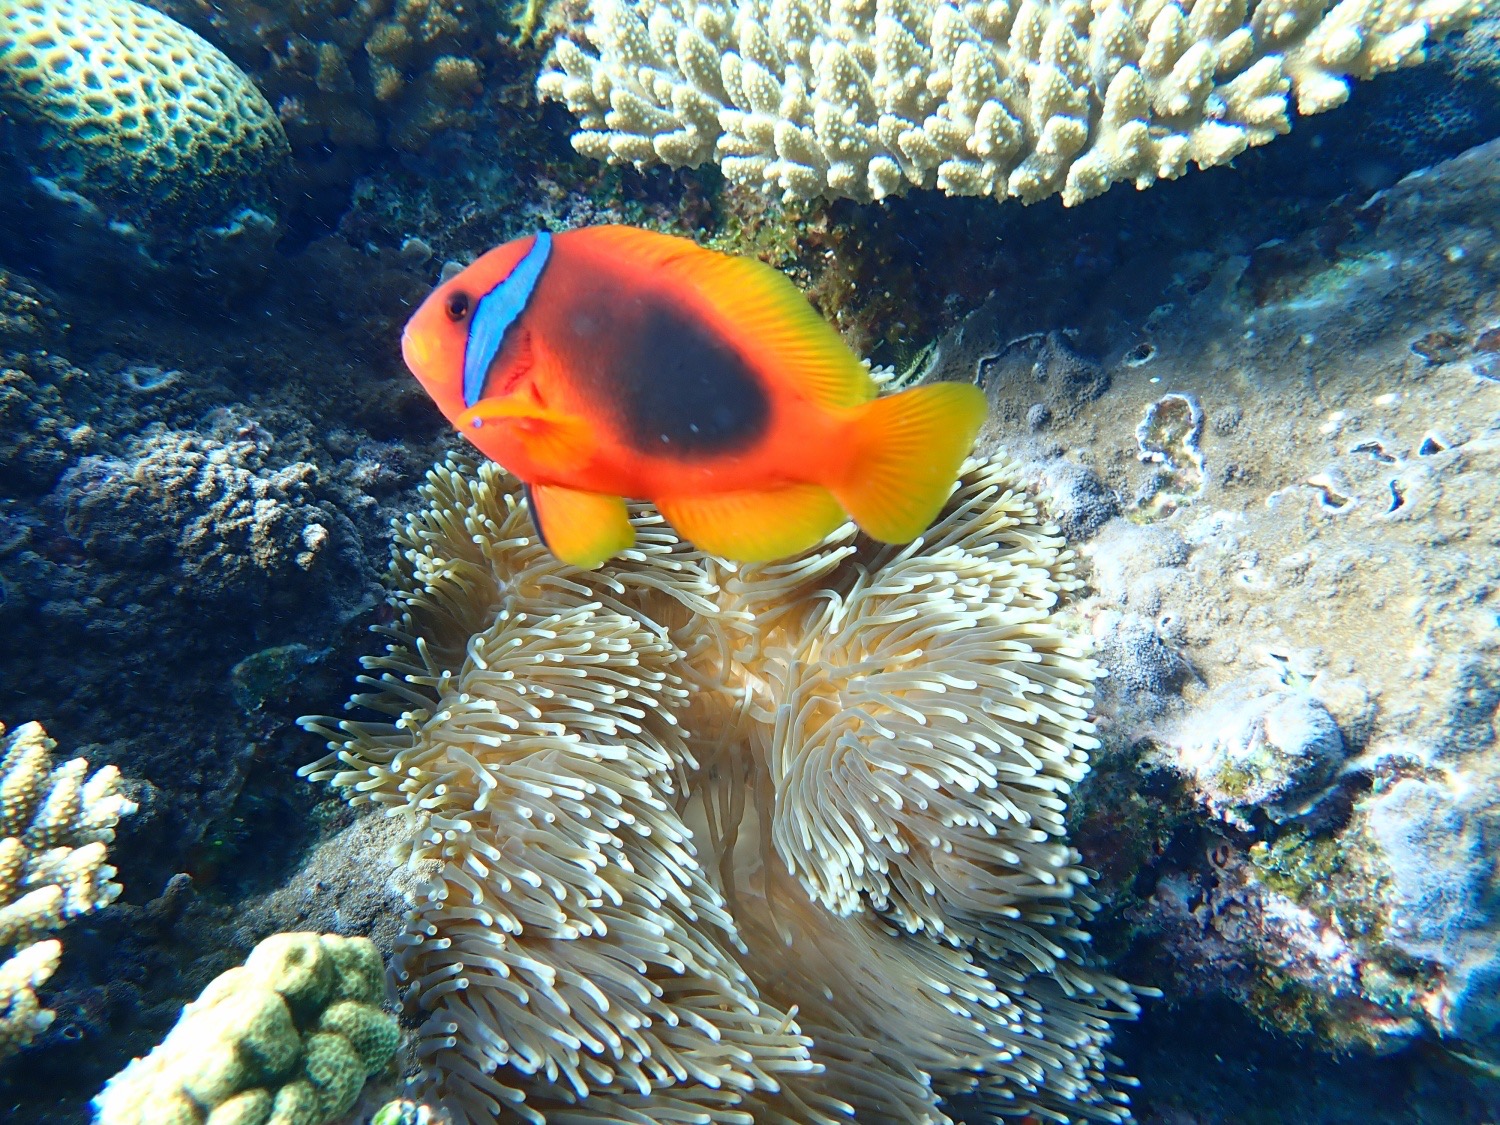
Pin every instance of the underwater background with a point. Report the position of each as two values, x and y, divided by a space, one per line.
1234 524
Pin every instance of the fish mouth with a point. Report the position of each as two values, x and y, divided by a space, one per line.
414 352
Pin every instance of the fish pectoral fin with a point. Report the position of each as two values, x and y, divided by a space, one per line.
755 526
581 528
908 449
554 440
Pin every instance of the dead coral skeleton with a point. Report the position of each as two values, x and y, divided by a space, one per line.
706 835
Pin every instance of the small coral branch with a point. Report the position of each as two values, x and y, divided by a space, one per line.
55 825
1028 98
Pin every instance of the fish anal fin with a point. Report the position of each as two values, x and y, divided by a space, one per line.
755 526
581 528
908 448
757 307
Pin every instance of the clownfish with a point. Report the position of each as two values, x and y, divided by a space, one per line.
612 362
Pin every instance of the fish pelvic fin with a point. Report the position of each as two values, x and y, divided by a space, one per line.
755 526
908 449
581 528
554 441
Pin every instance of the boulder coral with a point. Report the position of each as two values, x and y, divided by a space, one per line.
289 1036
701 837
229 521
113 101
1024 98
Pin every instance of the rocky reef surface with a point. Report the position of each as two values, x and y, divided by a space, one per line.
1281 466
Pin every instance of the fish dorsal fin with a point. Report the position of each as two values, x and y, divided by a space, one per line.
756 306
581 528
755 526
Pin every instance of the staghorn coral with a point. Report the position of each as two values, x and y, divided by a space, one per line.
1024 98
54 825
290 1037
355 76
703 835
113 101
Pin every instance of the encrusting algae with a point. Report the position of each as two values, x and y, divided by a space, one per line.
771 844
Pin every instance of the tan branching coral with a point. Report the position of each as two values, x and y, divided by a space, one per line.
1027 98
776 844
55 823
352 76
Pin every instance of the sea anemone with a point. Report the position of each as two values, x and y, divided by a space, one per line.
780 843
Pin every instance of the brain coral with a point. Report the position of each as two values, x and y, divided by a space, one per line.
778 844
1026 98
129 109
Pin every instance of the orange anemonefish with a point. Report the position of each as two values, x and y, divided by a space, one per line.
611 362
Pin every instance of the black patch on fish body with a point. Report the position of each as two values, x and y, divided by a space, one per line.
682 390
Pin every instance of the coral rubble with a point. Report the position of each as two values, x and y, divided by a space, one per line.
1009 98
55 823
290 1036
704 835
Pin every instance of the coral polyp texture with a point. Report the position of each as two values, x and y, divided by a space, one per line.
868 98
116 102
55 823
288 1037
355 76
700 836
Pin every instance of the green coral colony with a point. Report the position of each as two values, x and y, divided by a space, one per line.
136 113
289 1038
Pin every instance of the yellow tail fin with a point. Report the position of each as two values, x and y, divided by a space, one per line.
908 450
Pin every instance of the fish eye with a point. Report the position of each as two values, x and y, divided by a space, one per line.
458 305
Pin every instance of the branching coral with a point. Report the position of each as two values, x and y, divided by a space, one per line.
778 844
54 825
1026 98
358 75
289 1038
